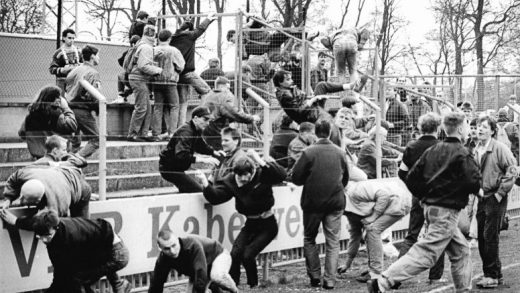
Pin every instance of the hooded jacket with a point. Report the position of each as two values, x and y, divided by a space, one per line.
145 68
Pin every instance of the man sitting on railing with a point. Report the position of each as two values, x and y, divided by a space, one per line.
178 155
212 72
83 103
222 104
368 153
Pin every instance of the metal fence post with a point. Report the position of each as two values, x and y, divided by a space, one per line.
497 88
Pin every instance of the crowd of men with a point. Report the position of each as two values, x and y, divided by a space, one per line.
447 168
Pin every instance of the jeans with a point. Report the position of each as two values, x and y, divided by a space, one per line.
252 239
490 213
219 275
88 126
373 239
81 208
443 234
345 53
184 182
142 114
331 223
123 86
166 105
414 228
200 86
117 260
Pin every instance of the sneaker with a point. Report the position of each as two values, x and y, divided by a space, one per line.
437 281
327 286
119 100
342 269
373 286
315 282
360 83
363 278
487 282
164 136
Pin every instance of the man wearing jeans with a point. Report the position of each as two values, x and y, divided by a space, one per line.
442 180
323 171
142 72
373 205
184 39
496 162
81 252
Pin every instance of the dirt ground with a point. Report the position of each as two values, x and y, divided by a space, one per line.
293 278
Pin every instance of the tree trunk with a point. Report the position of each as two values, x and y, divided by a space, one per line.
479 51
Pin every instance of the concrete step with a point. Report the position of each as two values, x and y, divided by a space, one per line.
17 152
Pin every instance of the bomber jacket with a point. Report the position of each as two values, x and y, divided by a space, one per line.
171 61
184 40
253 198
195 259
145 68
323 171
178 154
495 169
445 175
293 103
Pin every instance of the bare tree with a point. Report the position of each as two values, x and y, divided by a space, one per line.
180 7
21 16
345 10
495 30
106 12
292 12
390 26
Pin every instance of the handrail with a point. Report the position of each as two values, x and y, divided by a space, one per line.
102 185
159 16
267 127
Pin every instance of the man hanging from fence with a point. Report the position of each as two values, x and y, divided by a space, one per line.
66 58
138 25
184 39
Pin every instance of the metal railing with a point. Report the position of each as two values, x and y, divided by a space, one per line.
102 189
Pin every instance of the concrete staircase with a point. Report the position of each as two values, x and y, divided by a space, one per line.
132 167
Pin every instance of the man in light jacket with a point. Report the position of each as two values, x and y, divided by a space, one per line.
373 205
139 77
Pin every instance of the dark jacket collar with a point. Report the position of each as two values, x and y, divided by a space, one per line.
452 139
323 141
427 137
193 127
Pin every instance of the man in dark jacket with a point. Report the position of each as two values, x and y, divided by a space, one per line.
252 188
178 155
81 252
137 27
202 260
281 140
184 40
442 180
397 116
323 171
429 127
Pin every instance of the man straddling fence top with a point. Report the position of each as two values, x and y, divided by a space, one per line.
442 179
138 25
65 58
142 69
184 39
429 127
323 171
252 188
204 261
222 104
345 44
61 188
83 102
373 205
178 156
496 164
81 252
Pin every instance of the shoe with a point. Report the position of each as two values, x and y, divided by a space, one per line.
500 281
135 139
342 269
363 278
373 286
487 282
437 281
315 282
360 83
164 136
327 286
119 100
153 138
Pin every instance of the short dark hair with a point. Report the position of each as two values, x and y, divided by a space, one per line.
306 127
164 35
243 165
235 134
473 122
286 120
452 121
279 77
491 122
54 141
230 34
322 129
142 14
429 122
88 51
67 31
134 39
44 221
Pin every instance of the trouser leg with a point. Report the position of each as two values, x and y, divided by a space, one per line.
311 223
